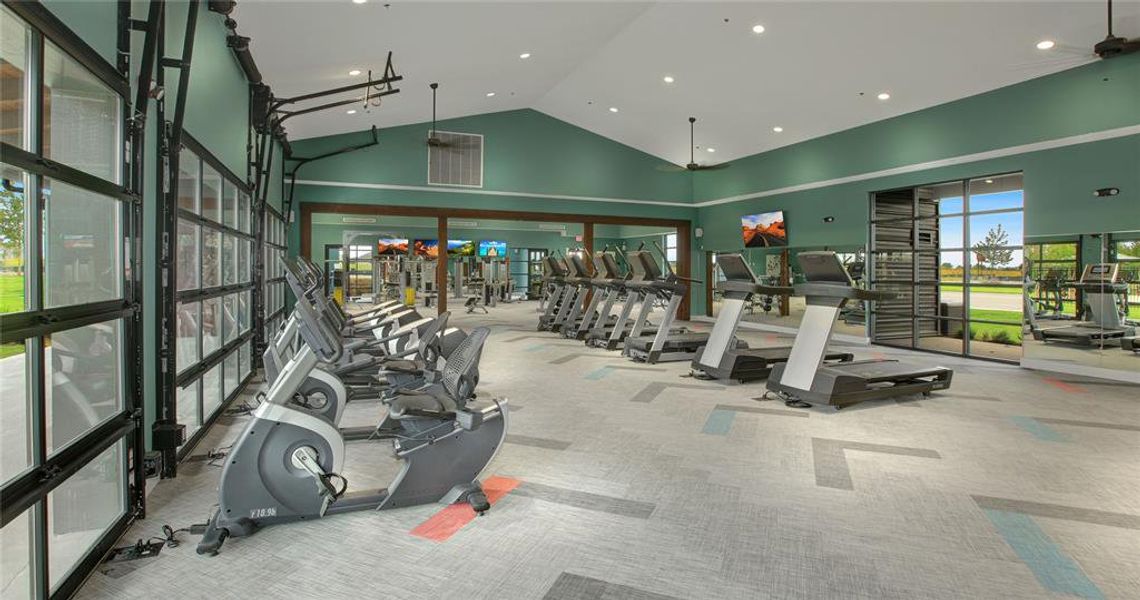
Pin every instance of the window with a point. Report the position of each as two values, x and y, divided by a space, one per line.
952 255
671 249
68 344
214 285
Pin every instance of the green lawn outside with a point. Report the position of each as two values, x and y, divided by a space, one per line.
996 289
1003 334
11 300
11 293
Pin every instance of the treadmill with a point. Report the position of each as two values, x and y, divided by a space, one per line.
635 289
557 278
606 285
805 379
1099 285
666 344
721 358
578 283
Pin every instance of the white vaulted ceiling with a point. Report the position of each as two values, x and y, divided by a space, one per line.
804 73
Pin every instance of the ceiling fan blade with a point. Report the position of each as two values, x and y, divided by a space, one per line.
716 167
1059 62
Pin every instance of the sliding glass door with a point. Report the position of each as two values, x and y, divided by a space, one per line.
951 254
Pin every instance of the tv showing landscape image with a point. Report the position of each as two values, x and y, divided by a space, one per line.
764 230
492 248
461 247
426 248
390 246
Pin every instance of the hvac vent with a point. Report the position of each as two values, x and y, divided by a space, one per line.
457 160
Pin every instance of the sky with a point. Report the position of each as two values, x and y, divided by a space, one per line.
951 226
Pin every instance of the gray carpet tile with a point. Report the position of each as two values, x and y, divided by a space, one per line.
630 499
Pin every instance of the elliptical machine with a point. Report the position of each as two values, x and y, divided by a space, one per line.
286 462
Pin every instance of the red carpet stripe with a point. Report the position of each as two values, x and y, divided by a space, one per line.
454 517
1066 387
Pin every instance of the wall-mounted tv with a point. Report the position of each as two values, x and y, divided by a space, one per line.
390 246
492 248
426 248
460 248
764 230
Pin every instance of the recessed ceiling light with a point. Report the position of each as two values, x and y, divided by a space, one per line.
613 109
524 55
1045 44
352 112
489 94
757 29
354 72
669 79
777 129
711 149
359 1
884 96
989 181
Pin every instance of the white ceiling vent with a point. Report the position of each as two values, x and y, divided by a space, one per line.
456 160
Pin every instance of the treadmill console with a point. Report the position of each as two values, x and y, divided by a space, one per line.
610 266
735 268
557 267
652 269
636 265
1101 273
823 267
580 268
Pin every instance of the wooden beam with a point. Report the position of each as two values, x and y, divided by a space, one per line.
307 242
710 270
471 213
441 267
685 266
588 246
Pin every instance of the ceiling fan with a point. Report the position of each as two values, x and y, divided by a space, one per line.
1113 45
692 166
1071 56
432 140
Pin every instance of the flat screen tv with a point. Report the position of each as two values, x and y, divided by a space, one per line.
492 248
460 248
389 246
426 248
764 230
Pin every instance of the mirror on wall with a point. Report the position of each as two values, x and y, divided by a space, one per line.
1081 297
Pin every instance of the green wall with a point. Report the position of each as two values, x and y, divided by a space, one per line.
217 105
524 151
96 22
1058 181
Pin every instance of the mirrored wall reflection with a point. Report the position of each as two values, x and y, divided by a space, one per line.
780 267
1082 300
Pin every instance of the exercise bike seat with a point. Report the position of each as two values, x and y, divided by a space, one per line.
359 364
402 366
431 401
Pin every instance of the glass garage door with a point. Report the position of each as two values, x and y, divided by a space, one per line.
214 309
68 304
